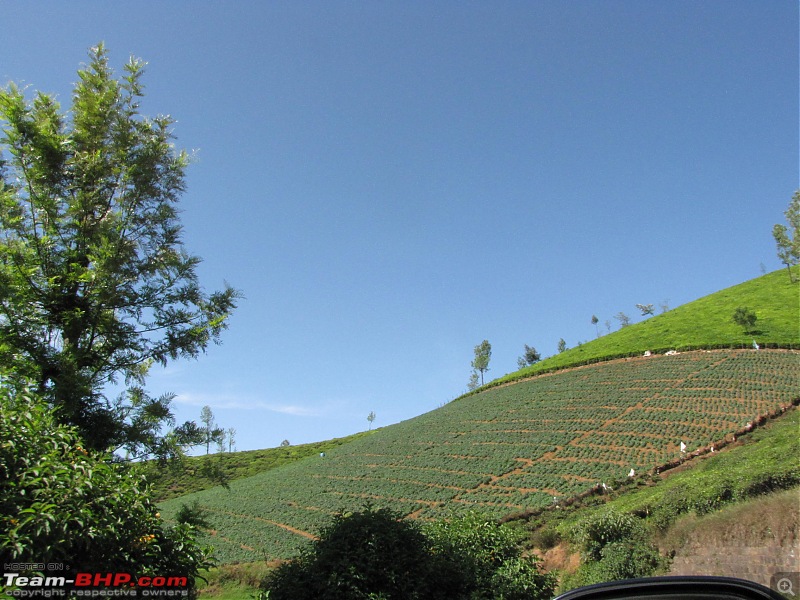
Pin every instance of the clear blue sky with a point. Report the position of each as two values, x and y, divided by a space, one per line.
389 183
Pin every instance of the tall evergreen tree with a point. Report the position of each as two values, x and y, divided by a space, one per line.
95 282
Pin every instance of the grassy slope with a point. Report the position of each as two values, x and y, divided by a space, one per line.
703 323
187 477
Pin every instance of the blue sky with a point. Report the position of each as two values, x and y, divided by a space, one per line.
389 183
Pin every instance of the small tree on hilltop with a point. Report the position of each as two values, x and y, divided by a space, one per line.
595 321
529 357
646 309
562 345
483 353
371 418
624 320
745 318
789 246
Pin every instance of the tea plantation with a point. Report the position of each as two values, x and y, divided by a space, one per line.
541 435
510 448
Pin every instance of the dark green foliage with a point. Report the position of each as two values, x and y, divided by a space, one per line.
64 504
194 515
625 559
603 529
489 555
530 357
95 284
377 554
545 538
368 554
744 317
615 546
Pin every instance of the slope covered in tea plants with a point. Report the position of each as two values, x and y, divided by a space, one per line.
509 448
192 473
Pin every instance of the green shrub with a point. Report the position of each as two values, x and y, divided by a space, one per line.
545 538
622 560
368 554
63 504
377 554
614 546
490 556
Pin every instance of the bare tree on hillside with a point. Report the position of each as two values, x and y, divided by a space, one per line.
211 433
473 382
646 309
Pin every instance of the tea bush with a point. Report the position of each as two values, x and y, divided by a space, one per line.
614 546
490 555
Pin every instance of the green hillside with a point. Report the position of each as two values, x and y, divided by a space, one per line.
516 447
745 495
192 474
763 461
508 449
701 324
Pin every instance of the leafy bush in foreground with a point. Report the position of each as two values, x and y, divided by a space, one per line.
377 554
369 554
614 546
63 504
489 555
